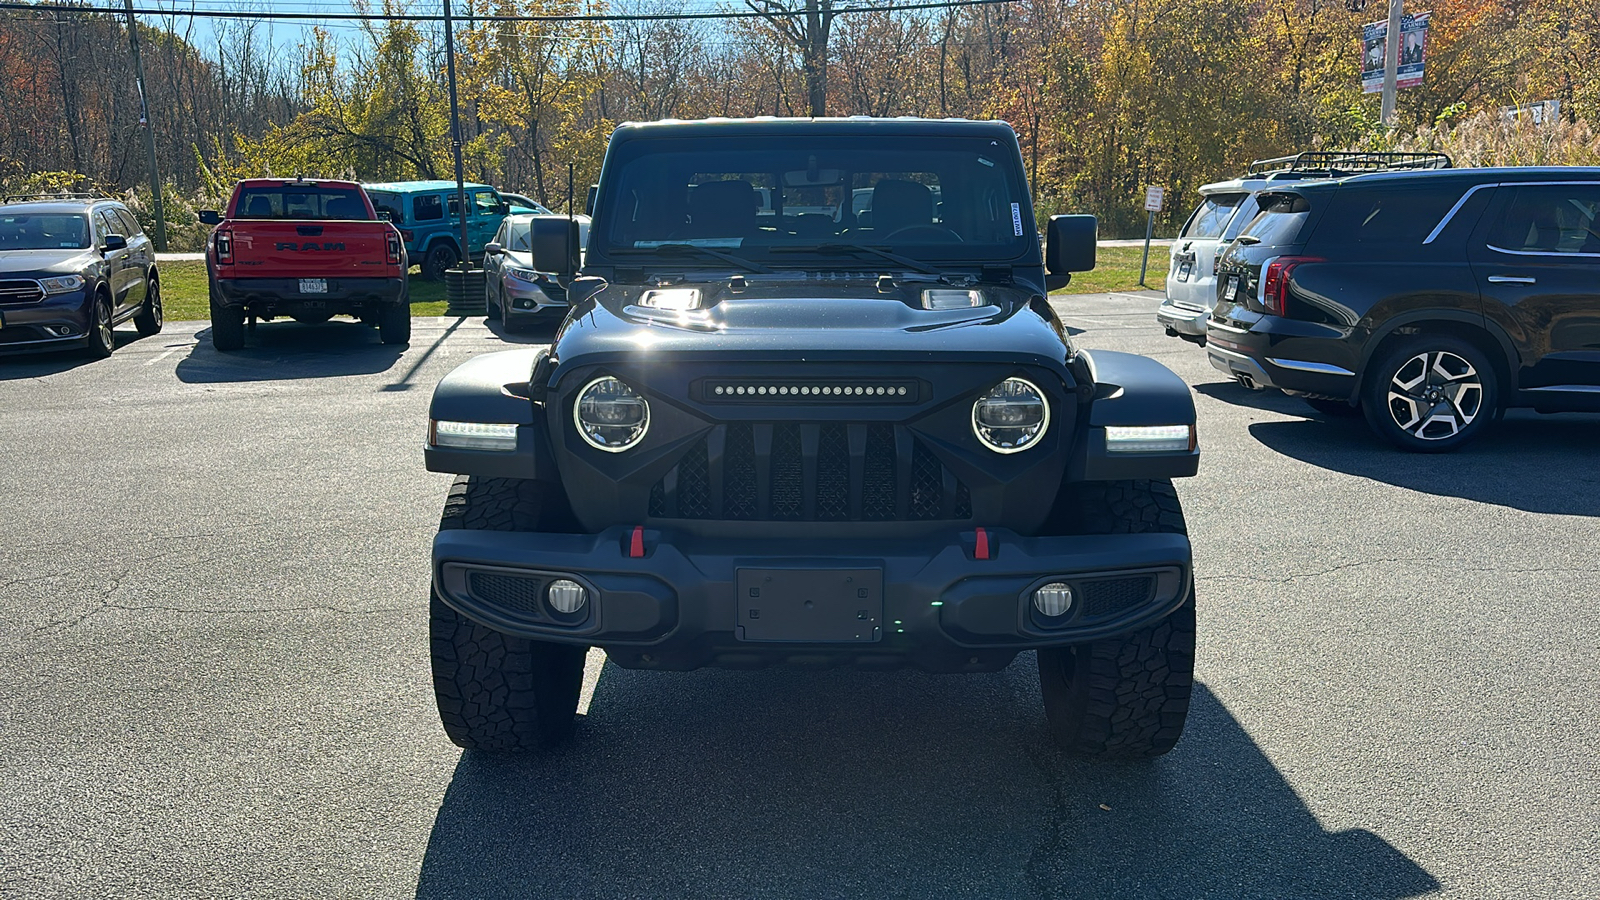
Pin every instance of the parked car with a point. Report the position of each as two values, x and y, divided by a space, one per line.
515 292
428 216
522 204
1427 301
308 250
873 448
71 271
1227 206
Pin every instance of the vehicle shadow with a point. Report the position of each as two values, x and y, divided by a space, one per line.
1510 465
15 366
542 332
1235 394
795 784
277 351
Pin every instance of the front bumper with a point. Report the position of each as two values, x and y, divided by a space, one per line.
527 302
938 608
37 327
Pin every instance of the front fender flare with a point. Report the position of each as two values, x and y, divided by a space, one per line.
493 389
1132 390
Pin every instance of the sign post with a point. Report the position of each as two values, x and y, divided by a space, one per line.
1152 205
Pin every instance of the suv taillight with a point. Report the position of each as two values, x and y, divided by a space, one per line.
393 241
1275 282
406 234
225 248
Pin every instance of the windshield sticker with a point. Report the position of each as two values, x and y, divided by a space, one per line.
1016 218
986 162
697 242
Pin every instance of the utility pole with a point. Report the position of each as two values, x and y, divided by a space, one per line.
455 133
149 132
1391 60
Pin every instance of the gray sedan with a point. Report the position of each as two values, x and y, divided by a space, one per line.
516 293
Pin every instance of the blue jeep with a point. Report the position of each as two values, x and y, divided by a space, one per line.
433 239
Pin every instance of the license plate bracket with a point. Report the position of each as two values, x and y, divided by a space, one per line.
1231 292
1184 268
809 605
313 285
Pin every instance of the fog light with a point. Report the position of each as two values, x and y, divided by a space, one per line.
526 304
1053 600
565 596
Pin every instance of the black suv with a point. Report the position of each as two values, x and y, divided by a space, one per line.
71 270
1429 301
772 430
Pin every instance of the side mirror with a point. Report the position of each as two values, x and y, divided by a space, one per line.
1069 247
210 217
493 248
114 242
554 244
503 209
588 203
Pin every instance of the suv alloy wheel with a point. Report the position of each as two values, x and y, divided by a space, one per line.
1430 393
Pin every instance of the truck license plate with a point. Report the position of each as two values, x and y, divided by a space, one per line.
313 285
1231 293
821 605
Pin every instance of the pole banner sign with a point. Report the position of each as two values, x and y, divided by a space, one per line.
1413 49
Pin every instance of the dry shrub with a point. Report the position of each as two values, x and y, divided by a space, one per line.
1490 139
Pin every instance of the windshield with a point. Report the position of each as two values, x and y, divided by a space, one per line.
300 202
923 197
44 232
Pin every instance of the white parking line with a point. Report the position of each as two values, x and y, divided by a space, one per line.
592 664
164 355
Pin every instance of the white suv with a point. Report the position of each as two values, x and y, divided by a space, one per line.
1227 207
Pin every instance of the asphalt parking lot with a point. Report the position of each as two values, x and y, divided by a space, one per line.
214 674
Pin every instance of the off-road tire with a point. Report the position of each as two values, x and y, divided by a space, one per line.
1385 368
149 318
497 692
102 335
1333 409
394 323
1126 696
439 257
227 325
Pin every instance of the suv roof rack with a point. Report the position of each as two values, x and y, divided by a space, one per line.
55 195
1347 162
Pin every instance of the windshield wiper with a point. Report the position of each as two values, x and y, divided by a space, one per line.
740 261
896 258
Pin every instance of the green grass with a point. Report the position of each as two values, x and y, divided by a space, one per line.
1117 269
184 294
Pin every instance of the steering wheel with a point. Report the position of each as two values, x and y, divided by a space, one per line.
934 234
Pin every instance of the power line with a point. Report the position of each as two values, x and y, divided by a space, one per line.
377 17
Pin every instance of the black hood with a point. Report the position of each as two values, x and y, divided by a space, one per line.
812 319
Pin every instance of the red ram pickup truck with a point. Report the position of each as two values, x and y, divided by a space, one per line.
308 250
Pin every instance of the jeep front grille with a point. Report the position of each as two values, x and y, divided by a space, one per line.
21 291
829 472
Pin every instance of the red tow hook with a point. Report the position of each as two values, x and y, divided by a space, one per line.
980 549
636 543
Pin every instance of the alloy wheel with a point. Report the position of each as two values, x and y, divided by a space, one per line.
1435 395
102 324
156 315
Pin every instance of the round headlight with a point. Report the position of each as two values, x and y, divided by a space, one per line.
610 415
1011 417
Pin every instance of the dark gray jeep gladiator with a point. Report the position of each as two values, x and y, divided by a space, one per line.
811 406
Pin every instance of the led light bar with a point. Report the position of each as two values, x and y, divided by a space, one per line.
810 391
1149 438
472 435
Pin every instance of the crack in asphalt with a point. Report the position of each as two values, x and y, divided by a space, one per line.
1425 561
